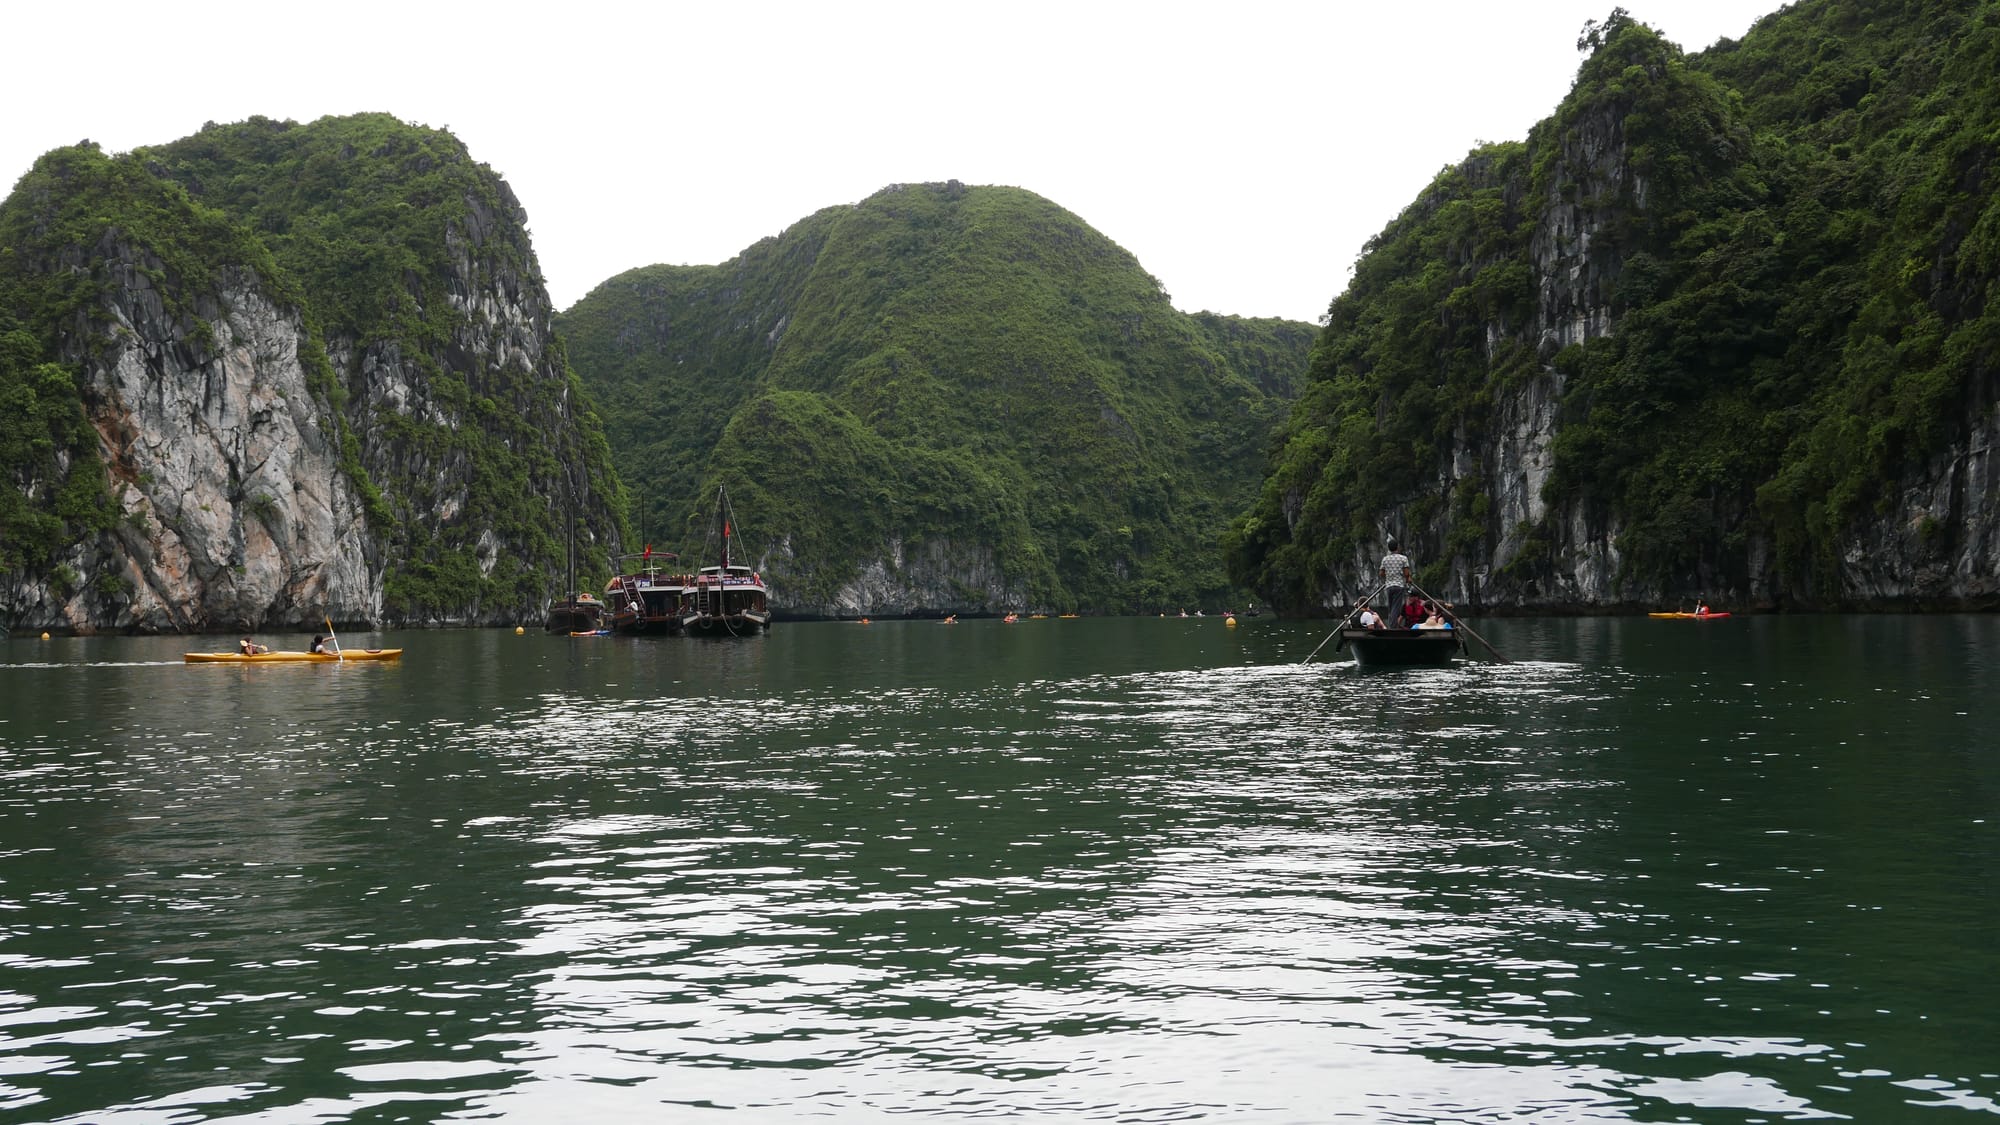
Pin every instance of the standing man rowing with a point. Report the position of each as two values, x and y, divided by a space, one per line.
1395 572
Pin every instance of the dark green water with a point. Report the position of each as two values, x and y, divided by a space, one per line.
1135 870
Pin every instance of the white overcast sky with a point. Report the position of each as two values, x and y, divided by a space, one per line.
1243 151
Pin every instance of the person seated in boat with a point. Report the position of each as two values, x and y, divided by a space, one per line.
1432 620
1368 618
1701 609
1415 609
320 646
251 648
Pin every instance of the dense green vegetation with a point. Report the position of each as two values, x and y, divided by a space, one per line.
1801 263
367 214
1884 121
385 236
941 368
52 486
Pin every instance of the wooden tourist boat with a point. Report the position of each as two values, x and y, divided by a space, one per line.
346 655
647 602
728 599
581 613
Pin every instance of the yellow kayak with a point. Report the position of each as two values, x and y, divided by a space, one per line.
350 654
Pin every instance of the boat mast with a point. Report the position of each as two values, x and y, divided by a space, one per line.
722 513
570 522
569 514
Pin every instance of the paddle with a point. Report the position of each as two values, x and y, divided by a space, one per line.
339 655
1456 623
1345 615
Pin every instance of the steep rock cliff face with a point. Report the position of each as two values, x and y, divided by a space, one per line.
237 512
1575 261
1592 190
1938 545
234 510
284 442
938 576
504 381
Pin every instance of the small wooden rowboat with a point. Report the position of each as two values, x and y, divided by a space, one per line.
349 654
1376 648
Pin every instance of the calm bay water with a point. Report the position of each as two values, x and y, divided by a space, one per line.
1136 870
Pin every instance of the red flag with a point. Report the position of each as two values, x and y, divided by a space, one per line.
725 529
649 551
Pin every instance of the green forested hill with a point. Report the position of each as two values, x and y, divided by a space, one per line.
1755 287
967 375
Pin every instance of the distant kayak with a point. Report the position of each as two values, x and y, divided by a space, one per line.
1690 616
351 654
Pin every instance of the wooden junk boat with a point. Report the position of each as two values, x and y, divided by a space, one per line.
728 599
580 613
646 602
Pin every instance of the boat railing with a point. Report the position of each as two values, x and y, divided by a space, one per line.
650 581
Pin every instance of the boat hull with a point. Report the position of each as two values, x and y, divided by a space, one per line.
725 624
1402 648
650 625
346 656
1689 616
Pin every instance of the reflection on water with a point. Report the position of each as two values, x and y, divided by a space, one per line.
1136 870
